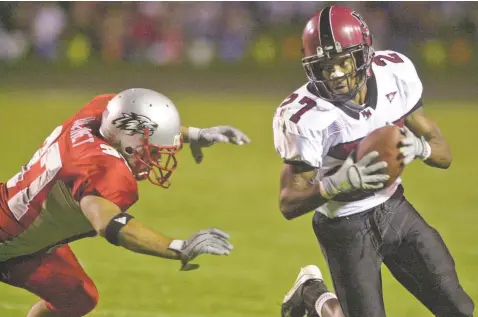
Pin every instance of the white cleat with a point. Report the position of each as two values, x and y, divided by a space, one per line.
293 305
309 272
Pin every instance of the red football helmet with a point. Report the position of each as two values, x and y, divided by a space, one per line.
336 31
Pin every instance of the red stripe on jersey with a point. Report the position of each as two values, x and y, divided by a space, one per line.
342 150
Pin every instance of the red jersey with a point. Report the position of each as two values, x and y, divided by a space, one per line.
39 207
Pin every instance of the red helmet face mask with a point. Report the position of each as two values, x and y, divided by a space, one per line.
337 32
155 163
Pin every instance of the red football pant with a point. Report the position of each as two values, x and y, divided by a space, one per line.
57 278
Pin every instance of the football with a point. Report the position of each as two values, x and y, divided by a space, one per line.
385 141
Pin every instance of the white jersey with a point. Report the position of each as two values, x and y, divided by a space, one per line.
311 130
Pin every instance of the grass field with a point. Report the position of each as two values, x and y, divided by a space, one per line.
236 189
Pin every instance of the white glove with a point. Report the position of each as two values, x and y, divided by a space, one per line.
413 147
362 175
210 241
199 138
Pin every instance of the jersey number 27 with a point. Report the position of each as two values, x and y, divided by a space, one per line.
306 101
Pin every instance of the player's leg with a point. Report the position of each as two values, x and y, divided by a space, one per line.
310 295
40 309
350 248
426 268
58 279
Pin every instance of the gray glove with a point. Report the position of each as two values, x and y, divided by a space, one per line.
353 176
210 241
199 138
413 147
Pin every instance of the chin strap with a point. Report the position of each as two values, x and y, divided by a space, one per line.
354 107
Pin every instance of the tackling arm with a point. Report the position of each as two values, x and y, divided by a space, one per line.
199 138
120 229
421 125
185 133
299 193
209 136
134 236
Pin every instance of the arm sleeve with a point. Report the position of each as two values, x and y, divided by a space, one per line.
296 147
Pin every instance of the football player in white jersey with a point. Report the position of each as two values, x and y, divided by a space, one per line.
359 223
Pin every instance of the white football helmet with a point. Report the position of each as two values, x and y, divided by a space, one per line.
144 126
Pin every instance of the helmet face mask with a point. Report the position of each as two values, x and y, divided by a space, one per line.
333 35
318 71
155 163
144 126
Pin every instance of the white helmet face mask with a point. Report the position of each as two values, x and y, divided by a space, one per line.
144 126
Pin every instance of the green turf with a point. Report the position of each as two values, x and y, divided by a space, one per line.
236 189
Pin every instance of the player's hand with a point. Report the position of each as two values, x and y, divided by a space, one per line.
210 241
412 147
352 176
199 138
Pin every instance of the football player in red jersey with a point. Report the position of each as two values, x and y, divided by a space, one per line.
360 223
82 181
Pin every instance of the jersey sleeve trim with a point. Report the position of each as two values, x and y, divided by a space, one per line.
417 106
294 147
297 163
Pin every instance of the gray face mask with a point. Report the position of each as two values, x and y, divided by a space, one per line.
314 66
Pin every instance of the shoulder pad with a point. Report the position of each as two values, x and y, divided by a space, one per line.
103 173
96 105
304 113
404 72
102 98
301 125
98 152
100 156
397 63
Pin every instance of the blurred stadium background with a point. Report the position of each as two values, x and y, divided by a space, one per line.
228 63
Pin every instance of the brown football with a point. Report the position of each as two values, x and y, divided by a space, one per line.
385 141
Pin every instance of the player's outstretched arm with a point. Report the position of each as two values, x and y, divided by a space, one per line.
424 140
199 138
123 230
209 136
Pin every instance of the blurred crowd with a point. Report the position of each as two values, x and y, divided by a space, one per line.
204 32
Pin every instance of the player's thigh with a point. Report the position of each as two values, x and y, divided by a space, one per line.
423 264
56 277
354 263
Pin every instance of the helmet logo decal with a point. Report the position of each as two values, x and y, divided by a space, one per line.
365 29
134 123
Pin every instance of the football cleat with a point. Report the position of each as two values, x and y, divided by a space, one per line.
293 304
